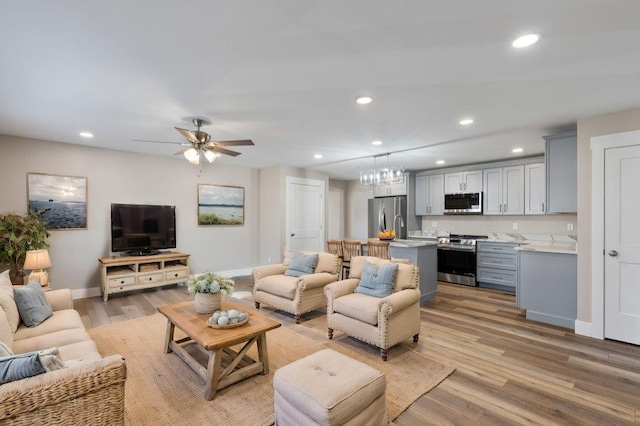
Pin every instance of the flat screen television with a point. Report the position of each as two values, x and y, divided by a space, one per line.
140 229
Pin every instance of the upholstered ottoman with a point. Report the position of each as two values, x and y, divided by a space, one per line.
328 388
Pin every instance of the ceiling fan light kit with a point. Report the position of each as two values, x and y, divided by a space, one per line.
202 145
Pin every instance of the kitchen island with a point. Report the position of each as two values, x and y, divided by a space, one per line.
423 254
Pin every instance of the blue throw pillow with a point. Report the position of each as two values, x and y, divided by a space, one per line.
19 367
32 304
301 264
377 281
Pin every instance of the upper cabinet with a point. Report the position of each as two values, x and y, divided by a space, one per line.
534 189
392 190
503 190
429 195
561 165
469 181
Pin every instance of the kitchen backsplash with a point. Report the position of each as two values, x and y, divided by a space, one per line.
483 225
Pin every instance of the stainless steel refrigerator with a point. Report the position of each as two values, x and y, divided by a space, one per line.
388 213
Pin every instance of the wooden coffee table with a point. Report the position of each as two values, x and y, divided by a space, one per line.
225 366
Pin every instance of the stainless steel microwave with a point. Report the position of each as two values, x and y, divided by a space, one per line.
467 203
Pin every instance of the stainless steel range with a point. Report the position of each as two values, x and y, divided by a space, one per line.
457 259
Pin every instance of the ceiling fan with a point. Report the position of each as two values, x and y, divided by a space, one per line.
200 144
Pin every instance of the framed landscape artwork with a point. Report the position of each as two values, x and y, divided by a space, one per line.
220 205
61 201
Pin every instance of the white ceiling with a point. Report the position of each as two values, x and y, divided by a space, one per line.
285 73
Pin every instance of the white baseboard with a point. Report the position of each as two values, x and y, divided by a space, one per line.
81 293
583 328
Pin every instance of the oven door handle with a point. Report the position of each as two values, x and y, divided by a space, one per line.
470 250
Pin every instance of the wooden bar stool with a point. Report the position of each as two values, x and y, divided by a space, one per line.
378 249
335 247
350 248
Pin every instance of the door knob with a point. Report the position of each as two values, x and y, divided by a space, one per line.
293 235
613 253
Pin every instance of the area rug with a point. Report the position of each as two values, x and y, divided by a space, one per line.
162 389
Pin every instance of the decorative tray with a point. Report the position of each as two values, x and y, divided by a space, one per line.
386 238
224 327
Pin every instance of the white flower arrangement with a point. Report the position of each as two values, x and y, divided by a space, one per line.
208 282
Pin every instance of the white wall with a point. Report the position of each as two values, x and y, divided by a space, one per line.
357 210
120 177
273 202
336 209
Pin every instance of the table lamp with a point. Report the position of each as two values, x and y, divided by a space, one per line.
37 261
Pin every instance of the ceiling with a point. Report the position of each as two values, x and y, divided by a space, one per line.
286 73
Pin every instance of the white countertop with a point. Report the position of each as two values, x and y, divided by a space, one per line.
550 247
413 243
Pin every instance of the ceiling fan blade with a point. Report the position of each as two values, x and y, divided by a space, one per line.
147 140
234 143
224 151
187 134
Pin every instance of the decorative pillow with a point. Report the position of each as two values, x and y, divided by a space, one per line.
50 360
377 281
17 367
301 264
287 254
32 304
7 302
5 350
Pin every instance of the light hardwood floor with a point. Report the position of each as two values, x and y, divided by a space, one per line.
509 370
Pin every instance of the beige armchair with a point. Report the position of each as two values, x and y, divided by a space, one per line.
296 295
383 322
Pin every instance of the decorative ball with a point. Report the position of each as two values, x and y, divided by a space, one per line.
224 313
242 316
233 313
214 318
223 320
233 321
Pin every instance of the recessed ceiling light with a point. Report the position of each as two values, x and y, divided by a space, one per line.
363 100
525 40
376 143
517 150
86 134
466 121
317 156
440 162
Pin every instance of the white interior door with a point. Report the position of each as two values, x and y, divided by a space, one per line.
622 244
305 214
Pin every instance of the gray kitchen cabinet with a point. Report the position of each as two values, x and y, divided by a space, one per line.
561 163
429 195
503 190
467 181
497 265
392 190
547 287
534 189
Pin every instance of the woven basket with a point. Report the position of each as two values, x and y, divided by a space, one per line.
207 303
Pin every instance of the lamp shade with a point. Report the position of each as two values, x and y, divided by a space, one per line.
192 155
37 259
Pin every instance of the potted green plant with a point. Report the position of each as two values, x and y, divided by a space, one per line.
19 234
208 289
